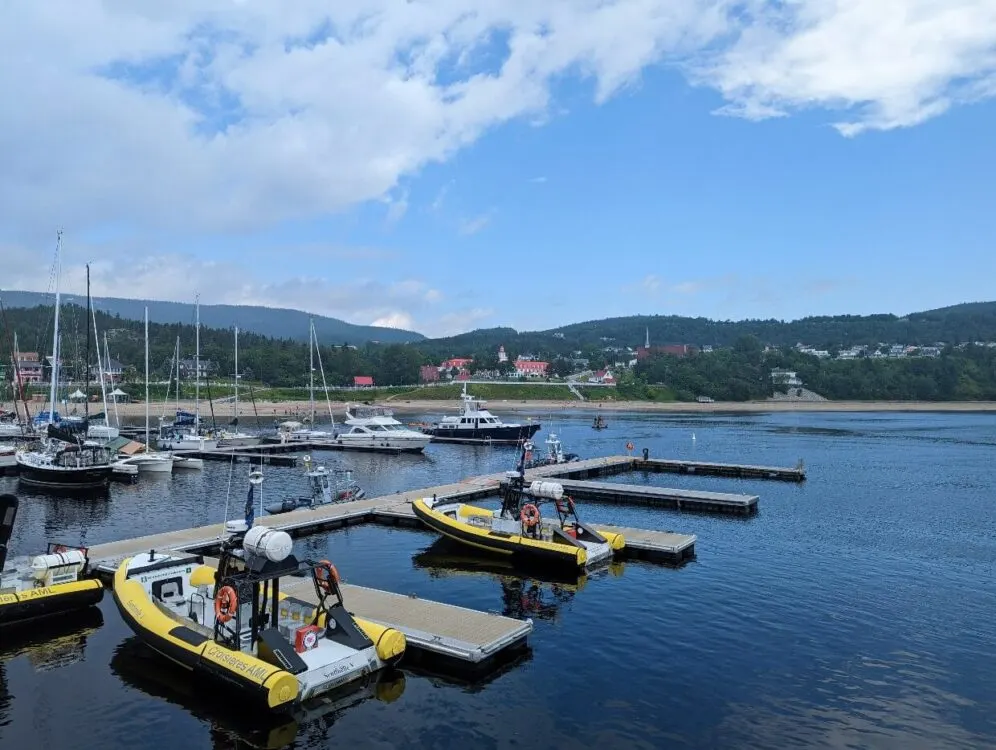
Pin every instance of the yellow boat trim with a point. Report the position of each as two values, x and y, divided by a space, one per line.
579 553
44 592
279 686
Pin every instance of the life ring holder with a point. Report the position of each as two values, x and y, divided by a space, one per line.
226 601
325 574
529 515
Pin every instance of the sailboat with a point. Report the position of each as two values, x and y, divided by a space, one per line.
236 438
67 459
149 462
295 432
185 432
103 432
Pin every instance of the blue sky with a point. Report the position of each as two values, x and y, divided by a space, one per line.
446 193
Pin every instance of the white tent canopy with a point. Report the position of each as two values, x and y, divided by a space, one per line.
117 392
77 394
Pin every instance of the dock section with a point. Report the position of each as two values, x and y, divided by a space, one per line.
662 497
459 635
712 469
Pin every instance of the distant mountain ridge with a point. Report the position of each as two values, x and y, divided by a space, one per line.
266 321
973 321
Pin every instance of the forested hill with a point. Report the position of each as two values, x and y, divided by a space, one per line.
952 325
266 321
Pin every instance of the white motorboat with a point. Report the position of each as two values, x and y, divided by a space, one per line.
8 458
376 426
151 462
187 462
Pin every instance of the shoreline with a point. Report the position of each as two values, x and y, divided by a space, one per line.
292 409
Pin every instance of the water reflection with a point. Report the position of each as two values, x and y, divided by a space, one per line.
525 591
231 724
48 645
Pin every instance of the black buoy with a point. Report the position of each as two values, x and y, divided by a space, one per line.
646 454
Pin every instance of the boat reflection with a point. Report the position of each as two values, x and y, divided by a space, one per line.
525 591
232 725
47 644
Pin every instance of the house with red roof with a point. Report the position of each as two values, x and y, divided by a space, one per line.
531 368
363 381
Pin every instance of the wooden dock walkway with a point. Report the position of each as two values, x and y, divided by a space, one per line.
679 499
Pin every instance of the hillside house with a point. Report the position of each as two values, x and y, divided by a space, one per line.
363 381
530 368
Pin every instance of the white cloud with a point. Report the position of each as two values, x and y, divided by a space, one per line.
409 303
213 114
475 224
884 63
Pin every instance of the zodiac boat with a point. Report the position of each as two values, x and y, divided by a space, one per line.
43 585
336 486
518 531
234 623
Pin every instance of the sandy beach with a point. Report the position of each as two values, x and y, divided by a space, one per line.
292 409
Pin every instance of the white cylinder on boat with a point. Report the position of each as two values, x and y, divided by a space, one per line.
41 564
273 545
550 490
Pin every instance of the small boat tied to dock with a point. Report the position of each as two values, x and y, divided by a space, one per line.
518 530
325 486
43 585
235 625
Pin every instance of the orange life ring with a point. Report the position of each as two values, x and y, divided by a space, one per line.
629 446
530 515
225 603
325 573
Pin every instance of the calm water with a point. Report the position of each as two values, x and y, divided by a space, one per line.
854 610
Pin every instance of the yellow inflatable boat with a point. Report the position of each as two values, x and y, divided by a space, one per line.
43 585
234 623
518 530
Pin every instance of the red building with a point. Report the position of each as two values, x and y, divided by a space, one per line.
363 381
428 373
459 363
531 368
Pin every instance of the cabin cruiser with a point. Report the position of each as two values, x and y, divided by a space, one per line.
376 427
49 584
149 462
478 425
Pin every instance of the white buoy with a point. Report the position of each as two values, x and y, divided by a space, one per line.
693 437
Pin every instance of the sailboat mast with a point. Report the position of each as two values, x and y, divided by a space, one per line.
197 366
55 333
236 378
100 368
311 368
146 379
107 358
176 357
86 363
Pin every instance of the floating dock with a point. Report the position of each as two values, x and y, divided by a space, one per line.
708 468
274 454
679 499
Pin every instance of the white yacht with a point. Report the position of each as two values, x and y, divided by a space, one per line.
478 425
376 426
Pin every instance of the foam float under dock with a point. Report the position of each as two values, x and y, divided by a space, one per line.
709 468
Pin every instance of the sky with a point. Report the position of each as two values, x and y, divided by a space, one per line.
449 165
